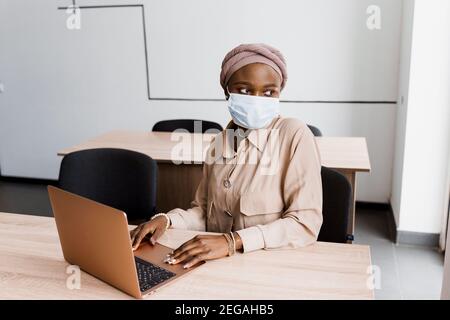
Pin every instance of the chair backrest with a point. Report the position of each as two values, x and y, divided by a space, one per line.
336 205
123 179
316 131
191 125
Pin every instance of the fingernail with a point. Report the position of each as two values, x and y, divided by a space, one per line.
152 241
186 266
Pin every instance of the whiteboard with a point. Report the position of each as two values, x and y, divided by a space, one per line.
330 52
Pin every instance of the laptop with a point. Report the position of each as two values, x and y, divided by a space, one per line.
96 238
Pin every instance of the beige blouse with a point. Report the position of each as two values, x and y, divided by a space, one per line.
269 191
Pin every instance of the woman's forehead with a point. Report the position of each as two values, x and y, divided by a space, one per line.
256 73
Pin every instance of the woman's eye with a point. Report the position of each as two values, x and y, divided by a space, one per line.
243 91
268 93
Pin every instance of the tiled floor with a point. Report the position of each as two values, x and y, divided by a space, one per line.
407 272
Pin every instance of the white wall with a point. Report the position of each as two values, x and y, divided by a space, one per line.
62 86
330 52
403 92
445 294
423 122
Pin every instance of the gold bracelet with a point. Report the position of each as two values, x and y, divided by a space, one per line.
227 237
229 242
234 242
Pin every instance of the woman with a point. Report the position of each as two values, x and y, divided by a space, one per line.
261 184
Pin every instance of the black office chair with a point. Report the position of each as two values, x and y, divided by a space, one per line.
187 124
316 131
336 205
123 179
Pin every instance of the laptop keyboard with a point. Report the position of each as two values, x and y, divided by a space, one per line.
150 275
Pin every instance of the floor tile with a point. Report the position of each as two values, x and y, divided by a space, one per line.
420 272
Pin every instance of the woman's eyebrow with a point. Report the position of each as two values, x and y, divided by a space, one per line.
270 85
242 82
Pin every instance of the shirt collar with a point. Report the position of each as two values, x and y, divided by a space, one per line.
257 137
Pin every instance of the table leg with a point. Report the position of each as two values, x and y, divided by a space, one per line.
351 176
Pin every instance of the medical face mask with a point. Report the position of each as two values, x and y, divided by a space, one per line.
252 112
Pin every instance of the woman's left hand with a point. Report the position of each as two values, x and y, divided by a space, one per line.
199 248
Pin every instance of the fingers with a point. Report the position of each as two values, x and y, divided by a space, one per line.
134 232
196 259
191 244
199 249
158 233
189 254
189 250
199 239
140 235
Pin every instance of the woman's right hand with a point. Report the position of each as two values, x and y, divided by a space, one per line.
155 227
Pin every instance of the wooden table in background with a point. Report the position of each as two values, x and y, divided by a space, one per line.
32 267
177 183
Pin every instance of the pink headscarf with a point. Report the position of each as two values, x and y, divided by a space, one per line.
245 54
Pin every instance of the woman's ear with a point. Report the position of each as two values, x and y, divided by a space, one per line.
227 95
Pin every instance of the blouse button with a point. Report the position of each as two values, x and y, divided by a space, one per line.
227 183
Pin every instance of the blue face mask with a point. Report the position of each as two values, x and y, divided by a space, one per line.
252 112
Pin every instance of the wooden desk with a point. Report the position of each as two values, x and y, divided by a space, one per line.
32 267
177 183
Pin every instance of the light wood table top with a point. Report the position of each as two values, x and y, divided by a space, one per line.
32 267
345 153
